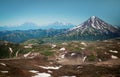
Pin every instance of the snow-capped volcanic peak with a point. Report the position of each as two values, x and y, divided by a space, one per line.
93 17
92 24
92 29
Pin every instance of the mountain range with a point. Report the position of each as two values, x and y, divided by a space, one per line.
29 25
92 29
18 36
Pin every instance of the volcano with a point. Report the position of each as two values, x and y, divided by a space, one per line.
92 29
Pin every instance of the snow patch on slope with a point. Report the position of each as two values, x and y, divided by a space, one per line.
40 74
3 64
50 67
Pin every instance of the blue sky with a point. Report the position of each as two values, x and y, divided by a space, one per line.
41 12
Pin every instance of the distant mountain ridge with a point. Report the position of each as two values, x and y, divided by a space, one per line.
18 36
29 25
58 25
92 29
24 26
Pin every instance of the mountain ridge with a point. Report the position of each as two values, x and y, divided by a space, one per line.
33 26
18 36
